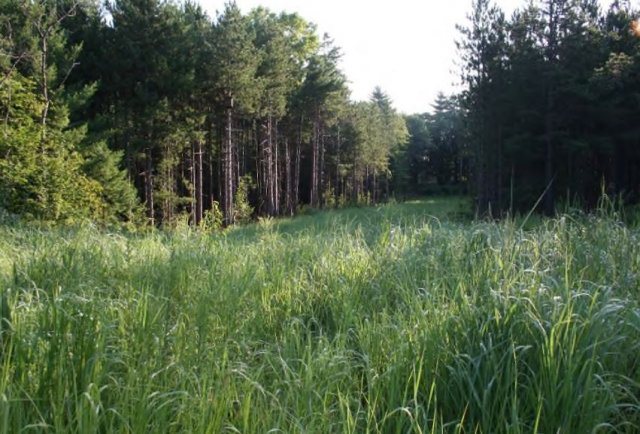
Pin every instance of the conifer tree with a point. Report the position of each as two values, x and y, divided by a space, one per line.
236 88
50 169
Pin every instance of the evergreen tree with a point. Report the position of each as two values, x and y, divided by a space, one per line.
446 150
483 56
46 172
236 87
416 155
322 95
393 137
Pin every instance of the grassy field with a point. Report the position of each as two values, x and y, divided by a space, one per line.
397 319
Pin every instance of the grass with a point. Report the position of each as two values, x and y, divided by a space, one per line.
398 319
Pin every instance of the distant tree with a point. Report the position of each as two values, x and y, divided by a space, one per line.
483 50
322 95
416 155
303 44
394 136
236 86
543 92
139 46
447 141
279 39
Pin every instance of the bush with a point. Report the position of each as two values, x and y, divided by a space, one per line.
243 211
213 218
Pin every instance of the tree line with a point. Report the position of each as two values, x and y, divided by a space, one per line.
152 111
547 114
551 103
152 107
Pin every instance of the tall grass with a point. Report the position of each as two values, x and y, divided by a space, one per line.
393 319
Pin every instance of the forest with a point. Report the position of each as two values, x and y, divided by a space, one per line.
201 231
152 112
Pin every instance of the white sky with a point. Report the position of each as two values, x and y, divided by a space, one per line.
407 47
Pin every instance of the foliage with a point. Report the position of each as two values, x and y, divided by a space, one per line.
549 103
49 169
213 218
243 209
154 101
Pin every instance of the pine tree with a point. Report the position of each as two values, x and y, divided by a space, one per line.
483 56
45 171
236 86
322 94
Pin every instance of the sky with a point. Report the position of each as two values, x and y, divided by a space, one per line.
407 47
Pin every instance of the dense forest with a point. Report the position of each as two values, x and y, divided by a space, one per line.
153 112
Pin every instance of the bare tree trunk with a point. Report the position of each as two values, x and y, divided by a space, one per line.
315 163
338 185
169 188
321 186
288 195
148 186
239 155
374 195
219 168
198 183
482 201
549 199
44 55
227 157
276 174
387 187
367 181
511 188
355 193
500 175
268 163
260 169
211 176
296 178
554 15
192 175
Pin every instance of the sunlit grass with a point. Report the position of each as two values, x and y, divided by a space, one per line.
395 319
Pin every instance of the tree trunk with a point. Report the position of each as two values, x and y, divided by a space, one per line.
219 169
268 165
549 200
374 189
367 184
45 83
338 184
198 183
260 165
276 174
288 194
148 186
482 204
554 14
500 175
387 183
321 186
227 157
210 179
315 163
296 176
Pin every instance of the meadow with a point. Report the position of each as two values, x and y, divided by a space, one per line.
401 318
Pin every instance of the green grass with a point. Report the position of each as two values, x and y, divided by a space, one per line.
397 319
